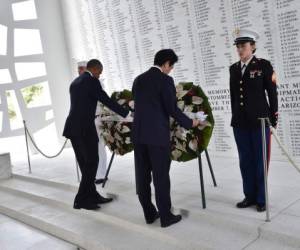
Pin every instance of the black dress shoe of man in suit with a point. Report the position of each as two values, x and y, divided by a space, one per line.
171 220
101 200
245 203
87 206
154 218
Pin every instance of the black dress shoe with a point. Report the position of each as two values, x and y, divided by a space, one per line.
90 206
245 203
102 200
155 217
100 181
260 208
172 220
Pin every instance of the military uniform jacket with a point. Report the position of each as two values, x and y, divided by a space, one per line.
253 95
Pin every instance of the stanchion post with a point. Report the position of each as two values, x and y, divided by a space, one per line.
265 161
27 148
201 181
108 169
210 168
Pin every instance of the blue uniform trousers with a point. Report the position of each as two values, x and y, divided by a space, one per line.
249 145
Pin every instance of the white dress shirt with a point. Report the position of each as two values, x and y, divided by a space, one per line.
89 72
245 64
155 66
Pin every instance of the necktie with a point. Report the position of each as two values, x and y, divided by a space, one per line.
243 69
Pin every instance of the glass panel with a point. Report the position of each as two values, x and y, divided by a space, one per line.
27 42
36 95
24 10
3 40
5 76
1 120
30 70
14 113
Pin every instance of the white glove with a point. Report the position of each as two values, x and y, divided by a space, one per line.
201 116
129 115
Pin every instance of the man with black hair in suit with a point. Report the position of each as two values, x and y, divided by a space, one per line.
85 92
155 102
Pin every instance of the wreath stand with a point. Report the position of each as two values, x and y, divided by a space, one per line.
200 174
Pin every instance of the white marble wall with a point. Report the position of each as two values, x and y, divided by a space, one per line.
5 166
126 34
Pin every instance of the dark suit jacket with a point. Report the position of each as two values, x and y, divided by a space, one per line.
154 96
85 91
248 94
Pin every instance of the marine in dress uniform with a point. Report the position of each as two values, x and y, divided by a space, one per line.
253 94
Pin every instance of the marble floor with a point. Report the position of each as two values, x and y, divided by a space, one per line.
15 235
284 186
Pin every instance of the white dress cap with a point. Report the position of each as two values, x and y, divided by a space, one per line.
244 35
82 64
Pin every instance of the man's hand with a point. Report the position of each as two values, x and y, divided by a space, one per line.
196 123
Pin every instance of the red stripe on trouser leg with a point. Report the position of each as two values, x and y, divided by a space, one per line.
269 152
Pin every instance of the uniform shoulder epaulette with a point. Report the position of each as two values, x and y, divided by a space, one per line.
262 60
234 64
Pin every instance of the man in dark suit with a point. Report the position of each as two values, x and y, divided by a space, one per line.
80 128
154 96
251 79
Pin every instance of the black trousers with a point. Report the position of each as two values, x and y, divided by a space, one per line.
86 152
153 161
